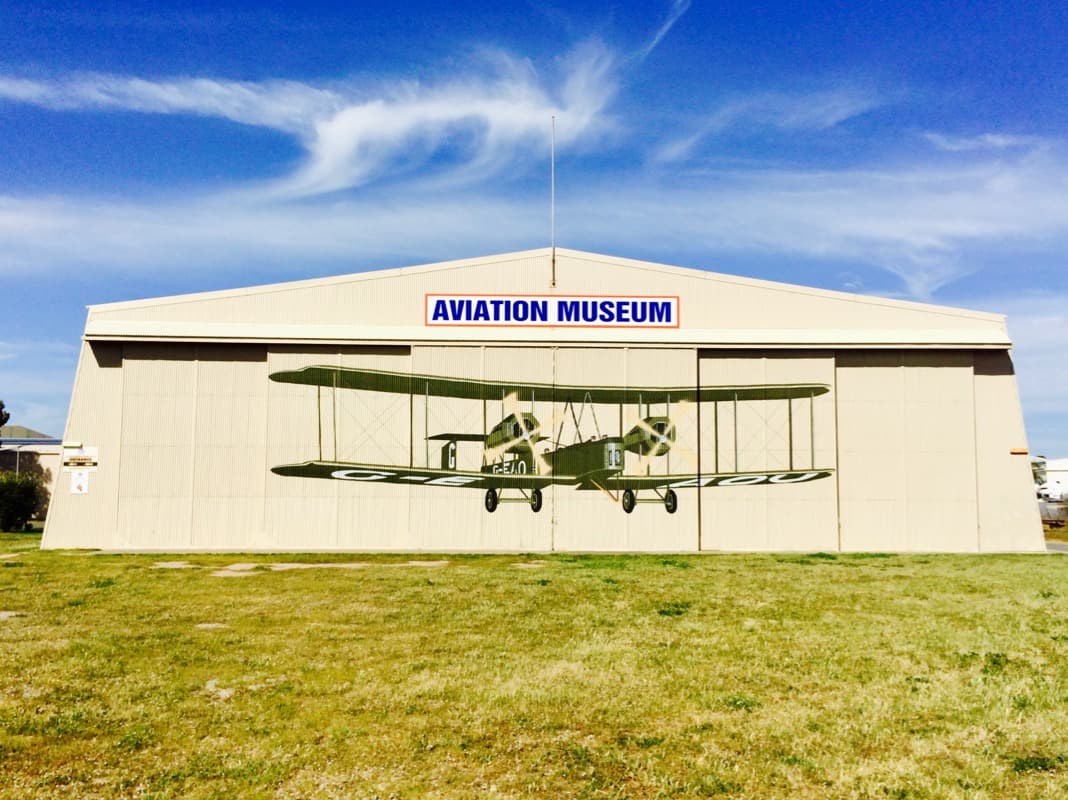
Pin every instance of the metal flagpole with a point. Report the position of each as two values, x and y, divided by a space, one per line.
552 202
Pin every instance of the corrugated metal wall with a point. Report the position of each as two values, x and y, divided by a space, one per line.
769 435
188 435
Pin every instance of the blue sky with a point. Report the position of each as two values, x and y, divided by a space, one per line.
906 150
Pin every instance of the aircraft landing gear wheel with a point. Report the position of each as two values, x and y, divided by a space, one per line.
628 501
491 500
671 501
535 501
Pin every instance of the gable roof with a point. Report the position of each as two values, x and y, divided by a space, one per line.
715 310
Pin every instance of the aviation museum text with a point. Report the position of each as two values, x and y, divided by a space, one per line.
562 310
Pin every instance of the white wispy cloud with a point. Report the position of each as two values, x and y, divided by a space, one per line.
287 106
986 141
496 119
791 112
678 8
353 133
916 223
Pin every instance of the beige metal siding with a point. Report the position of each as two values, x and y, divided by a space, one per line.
95 420
1008 516
918 442
308 423
594 520
156 457
906 434
513 526
444 517
720 308
769 435
230 457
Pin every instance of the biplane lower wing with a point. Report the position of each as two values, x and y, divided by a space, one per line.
418 476
610 480
682 481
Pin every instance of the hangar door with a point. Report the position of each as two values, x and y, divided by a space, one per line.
491 448
561 448
774 441
580 427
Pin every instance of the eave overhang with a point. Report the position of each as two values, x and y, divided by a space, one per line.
793 338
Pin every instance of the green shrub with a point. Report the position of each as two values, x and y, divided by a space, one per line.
20 495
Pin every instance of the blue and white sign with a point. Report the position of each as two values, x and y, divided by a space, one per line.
562 311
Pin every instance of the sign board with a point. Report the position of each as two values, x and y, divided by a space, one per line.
552 311
79 481
83 459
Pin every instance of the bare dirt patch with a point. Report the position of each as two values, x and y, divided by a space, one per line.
9 614
235 571
173 565
348 565
217 692
241 570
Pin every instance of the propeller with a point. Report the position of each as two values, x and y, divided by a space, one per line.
651 436
658 436
519 431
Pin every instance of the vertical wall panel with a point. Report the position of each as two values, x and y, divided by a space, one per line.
299 513
768 436
313 423
650 527
445 517
907 451
1008 515
375 428
95 420
230 472
593 519
514 525
158 429
588 520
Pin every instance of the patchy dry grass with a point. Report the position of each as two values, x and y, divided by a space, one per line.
602 676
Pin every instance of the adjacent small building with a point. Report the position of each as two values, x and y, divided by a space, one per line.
543 401
24 449
1056 484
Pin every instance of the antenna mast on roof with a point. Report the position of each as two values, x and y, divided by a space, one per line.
552 202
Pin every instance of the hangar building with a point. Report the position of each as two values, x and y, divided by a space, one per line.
543 401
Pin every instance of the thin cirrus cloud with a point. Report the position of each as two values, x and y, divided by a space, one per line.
678 8
791 112
985 141
430 145
286 106
495 120
352 133
915 223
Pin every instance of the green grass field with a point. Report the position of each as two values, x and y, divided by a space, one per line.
564 676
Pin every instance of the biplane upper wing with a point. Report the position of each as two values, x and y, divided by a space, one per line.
466 388
419 476
681 481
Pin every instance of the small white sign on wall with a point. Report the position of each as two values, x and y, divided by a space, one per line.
80 459
79 481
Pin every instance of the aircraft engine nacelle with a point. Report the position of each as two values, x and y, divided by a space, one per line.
516 433
653 436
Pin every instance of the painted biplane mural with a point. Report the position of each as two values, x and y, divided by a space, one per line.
521 456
